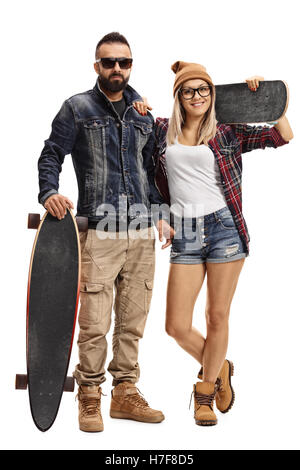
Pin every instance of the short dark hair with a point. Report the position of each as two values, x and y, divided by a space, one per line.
110 38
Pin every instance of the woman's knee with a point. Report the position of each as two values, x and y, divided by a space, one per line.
217 318
176 330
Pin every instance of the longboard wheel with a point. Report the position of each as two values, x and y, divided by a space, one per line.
82 223
69 384
33 220
21 382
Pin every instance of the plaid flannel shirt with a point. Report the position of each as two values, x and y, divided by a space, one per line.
228 145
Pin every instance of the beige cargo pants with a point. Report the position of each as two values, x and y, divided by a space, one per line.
124 264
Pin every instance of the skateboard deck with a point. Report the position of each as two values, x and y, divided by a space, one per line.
236 103
52 301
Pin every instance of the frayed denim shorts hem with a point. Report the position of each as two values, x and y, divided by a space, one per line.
182 260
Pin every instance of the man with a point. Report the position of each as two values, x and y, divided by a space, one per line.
111 146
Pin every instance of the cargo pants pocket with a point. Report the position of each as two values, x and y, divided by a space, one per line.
91 300
148 294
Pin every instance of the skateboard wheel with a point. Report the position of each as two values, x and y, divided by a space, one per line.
82 223
33 220
69 384
21 382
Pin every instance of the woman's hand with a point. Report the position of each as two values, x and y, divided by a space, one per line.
253 82
282 125
142 106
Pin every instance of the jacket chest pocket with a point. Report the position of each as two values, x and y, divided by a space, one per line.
96 132
142 132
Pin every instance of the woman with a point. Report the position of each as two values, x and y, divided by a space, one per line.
199 170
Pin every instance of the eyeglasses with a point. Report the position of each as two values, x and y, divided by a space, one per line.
109 62
189 93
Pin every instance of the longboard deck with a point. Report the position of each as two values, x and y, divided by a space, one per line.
236 103
53 292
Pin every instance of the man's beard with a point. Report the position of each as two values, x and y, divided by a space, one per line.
114 85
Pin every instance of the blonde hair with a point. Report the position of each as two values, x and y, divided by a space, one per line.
206 131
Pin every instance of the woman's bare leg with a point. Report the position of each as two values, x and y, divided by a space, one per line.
184 284
222 280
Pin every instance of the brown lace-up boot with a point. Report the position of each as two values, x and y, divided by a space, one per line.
127 403
204 396
89 399
225 395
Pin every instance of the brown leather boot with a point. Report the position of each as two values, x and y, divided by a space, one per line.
225 395
127 403
204 396
89 416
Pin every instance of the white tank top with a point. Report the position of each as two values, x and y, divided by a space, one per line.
194 180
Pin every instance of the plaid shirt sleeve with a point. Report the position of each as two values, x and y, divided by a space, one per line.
257 137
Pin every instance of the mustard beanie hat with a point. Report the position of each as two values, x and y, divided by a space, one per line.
188 71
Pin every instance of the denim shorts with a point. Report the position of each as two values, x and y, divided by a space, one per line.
212 238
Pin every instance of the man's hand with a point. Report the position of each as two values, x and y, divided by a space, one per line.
142 106
253 82
57 205
165 230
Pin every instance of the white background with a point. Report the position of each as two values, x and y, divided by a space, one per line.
47 55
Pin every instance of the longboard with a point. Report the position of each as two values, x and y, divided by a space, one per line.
236 103
52 302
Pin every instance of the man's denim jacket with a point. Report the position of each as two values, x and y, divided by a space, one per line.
109 173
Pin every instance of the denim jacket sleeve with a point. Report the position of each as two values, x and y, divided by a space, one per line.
160 209
257 137
59 144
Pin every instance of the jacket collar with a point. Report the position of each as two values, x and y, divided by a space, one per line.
129 94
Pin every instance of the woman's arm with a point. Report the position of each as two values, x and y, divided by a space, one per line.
257 137
282 125
284 128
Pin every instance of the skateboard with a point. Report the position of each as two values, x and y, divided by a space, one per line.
52 301
237 104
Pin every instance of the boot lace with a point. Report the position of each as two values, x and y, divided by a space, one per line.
137 399
90 405
203 399
221 385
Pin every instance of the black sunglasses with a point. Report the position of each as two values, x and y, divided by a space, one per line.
109 62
